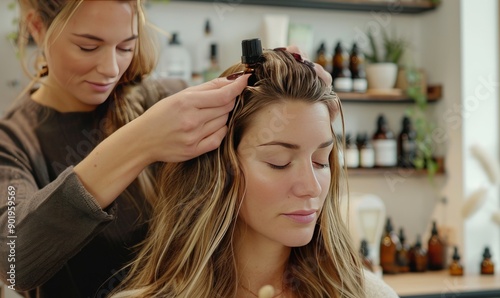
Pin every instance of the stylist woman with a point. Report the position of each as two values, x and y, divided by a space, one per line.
75 154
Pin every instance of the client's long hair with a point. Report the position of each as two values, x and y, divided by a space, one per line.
189 251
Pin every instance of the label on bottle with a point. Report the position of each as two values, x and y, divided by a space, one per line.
367 158
385 153
342 84
352 158
359 85
408 153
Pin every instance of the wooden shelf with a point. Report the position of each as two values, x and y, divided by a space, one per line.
348 5
434 94
406 172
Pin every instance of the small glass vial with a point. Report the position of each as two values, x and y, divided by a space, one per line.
366 153
351 153
403 258
456 268
487 265
418 257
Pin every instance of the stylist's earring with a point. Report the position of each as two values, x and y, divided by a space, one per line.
41 65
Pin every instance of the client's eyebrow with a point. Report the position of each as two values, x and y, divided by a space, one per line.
294 146
93 37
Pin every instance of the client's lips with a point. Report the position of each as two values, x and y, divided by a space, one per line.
100 87
302 216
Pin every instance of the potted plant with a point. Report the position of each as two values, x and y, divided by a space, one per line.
382 69
423 126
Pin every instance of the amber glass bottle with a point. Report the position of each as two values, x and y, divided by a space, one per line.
418 257
356 66
389 246
456 268
321 56
487 265
341 75
403 258
435 250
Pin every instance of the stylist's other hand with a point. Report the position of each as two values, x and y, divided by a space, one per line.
322 73
190 122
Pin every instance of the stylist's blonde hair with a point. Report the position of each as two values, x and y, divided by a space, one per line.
189 251
124 103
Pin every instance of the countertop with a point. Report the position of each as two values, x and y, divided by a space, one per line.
441 284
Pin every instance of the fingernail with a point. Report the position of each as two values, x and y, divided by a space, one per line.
235 75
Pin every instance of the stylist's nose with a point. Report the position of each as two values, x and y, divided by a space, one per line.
108 63
306 184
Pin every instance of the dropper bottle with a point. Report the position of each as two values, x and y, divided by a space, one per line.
251 51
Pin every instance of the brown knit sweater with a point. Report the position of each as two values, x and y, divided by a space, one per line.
62 243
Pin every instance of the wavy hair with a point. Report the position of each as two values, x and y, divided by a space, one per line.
189 251
123 104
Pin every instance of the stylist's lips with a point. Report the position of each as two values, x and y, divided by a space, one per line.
99 87
302 216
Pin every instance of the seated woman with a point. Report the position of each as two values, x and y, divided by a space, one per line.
264 208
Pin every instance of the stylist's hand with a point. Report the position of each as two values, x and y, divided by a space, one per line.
322 73
191 122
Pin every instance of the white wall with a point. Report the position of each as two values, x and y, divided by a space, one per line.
480 95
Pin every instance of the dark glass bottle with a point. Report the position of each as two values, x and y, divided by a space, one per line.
487 265
357 68
456 268
435 250
384 144
341 75
407 145
418 257
389 246
213 71
321 56
366 152
403 257
351 154
365 255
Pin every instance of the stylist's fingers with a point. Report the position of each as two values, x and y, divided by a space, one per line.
212 133
218 92
212 141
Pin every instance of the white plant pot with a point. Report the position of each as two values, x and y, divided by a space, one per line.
381 76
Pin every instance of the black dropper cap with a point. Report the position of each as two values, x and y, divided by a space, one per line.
381 121
456 256
486 253
418 243
321 49
251 50
434 230
208 29
364 248
388 225
402 237
175 39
